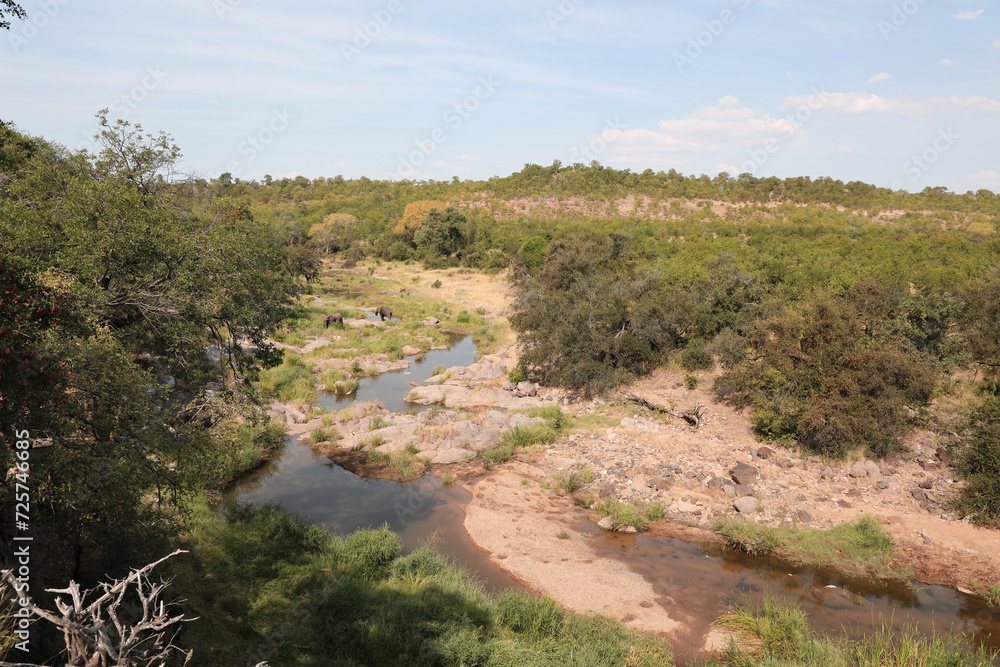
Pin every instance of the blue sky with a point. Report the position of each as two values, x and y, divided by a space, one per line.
900 93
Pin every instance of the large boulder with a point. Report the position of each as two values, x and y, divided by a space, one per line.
746 505
744 474
858 470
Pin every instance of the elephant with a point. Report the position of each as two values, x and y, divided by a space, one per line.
335 318
384 312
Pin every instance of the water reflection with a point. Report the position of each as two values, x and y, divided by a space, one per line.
391 388
698 583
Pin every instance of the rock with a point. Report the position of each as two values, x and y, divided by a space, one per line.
828 473
717 483
453 455
169 381
926 465
409 350
293 416
607 491
873 471
858 470
765 452
729 490
746 505
606 523
853 493
802 516
882 484
527 389
745 490
431 321
943 456
918 494
743 474
843 503
962 589
687 508
926 483
509 386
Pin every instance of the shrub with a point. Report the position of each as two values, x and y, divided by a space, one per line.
377 422
690 381
623 514
696 357
463 317
829 381
979 464
436 284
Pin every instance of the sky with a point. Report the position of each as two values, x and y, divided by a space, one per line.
898 93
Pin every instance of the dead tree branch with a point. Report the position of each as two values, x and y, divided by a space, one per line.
101 634
692 417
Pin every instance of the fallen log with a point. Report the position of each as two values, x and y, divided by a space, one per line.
692 416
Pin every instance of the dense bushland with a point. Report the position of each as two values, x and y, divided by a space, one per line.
269 586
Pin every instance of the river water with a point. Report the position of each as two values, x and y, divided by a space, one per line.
700 581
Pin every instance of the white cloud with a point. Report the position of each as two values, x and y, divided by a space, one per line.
881 76
843 148
988 180
947 62
845 103
726 125
996 44
469 158
967 15
855 103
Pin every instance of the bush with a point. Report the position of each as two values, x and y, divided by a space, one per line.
830 382
400 252
691 382
463 317
696 357
979 464
372 551
436 284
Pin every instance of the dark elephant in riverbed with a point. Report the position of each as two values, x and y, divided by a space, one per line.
336 318
384 312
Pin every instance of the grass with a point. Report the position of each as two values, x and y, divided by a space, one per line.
859 546
377 422
990 594
750 536
569 481
290 381
623 514
266 585
778 633
371 442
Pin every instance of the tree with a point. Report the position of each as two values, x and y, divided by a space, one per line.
441 232
10 8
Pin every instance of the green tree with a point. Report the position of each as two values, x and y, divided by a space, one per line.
441 232
979 464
